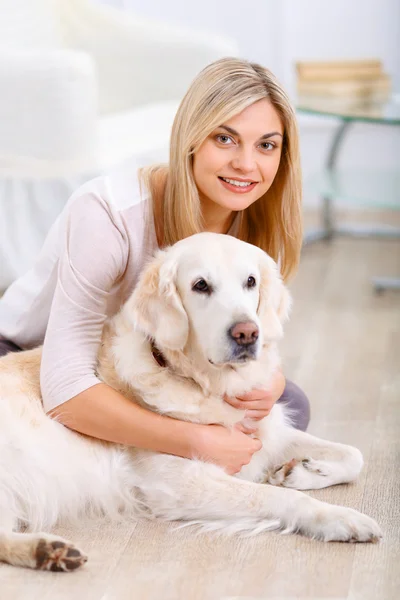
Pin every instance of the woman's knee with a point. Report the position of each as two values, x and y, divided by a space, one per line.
298 403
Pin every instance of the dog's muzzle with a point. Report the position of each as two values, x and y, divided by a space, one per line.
243 338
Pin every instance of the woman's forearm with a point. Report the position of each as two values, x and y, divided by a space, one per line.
104 413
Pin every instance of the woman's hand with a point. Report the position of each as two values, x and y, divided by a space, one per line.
258 403
228 448
232 449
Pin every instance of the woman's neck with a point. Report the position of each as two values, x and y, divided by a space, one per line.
217 219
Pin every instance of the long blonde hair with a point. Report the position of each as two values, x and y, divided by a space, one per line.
220 91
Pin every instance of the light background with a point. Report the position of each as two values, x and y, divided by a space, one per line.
276 33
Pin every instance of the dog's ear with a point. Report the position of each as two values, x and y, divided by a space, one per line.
156 305
275 301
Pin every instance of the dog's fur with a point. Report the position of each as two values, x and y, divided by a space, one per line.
49 473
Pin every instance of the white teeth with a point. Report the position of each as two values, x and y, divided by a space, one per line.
238 183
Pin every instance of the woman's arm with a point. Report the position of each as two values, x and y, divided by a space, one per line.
104 413
93 256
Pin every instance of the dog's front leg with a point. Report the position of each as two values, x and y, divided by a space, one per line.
180 489
308 462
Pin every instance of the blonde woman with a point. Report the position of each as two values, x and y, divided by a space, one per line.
234 168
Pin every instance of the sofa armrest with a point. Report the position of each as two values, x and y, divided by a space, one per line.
48 105
140 61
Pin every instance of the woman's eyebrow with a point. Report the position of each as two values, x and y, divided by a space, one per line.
263 137
268 135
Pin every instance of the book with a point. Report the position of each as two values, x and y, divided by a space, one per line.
339 70
339 74
377 87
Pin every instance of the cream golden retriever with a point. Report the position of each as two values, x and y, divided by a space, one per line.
203 321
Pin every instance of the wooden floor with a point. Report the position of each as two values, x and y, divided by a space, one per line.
343 347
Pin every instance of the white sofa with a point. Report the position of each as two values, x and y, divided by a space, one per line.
83 87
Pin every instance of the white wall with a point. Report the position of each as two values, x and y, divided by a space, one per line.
276 33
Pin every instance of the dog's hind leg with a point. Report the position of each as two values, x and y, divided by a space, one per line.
36 550
39 551
309 463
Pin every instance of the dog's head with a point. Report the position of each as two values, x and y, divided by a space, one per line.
212 295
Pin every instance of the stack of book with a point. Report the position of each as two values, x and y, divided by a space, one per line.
361 79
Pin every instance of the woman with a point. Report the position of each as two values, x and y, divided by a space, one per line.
234 168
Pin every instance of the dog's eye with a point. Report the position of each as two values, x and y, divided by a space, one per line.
202 286
251 282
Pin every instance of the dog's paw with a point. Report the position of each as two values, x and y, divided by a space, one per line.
342 524
56 554
306 474
282 473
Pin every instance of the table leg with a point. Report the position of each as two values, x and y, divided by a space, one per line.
328 230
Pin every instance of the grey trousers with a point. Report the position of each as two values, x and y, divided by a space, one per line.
292 395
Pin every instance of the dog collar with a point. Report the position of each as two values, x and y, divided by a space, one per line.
157 355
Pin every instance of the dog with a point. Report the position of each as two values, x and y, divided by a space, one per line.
203 321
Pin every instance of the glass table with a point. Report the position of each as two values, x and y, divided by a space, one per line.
364 187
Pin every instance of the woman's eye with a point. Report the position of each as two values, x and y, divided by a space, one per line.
251 282
202 286
224 139
267 146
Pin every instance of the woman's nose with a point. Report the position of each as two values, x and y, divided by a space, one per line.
244 160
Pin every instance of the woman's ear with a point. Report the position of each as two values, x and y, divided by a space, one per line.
156 306
275 301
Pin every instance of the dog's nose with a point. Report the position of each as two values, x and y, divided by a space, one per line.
244 334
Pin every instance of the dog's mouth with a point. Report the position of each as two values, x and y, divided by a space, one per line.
241 358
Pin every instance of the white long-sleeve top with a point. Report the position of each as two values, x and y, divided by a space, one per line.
86 270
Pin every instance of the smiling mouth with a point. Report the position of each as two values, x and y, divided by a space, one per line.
237 185
238 182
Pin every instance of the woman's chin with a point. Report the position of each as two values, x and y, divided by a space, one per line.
237 203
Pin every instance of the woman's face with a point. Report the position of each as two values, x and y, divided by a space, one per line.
238 161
